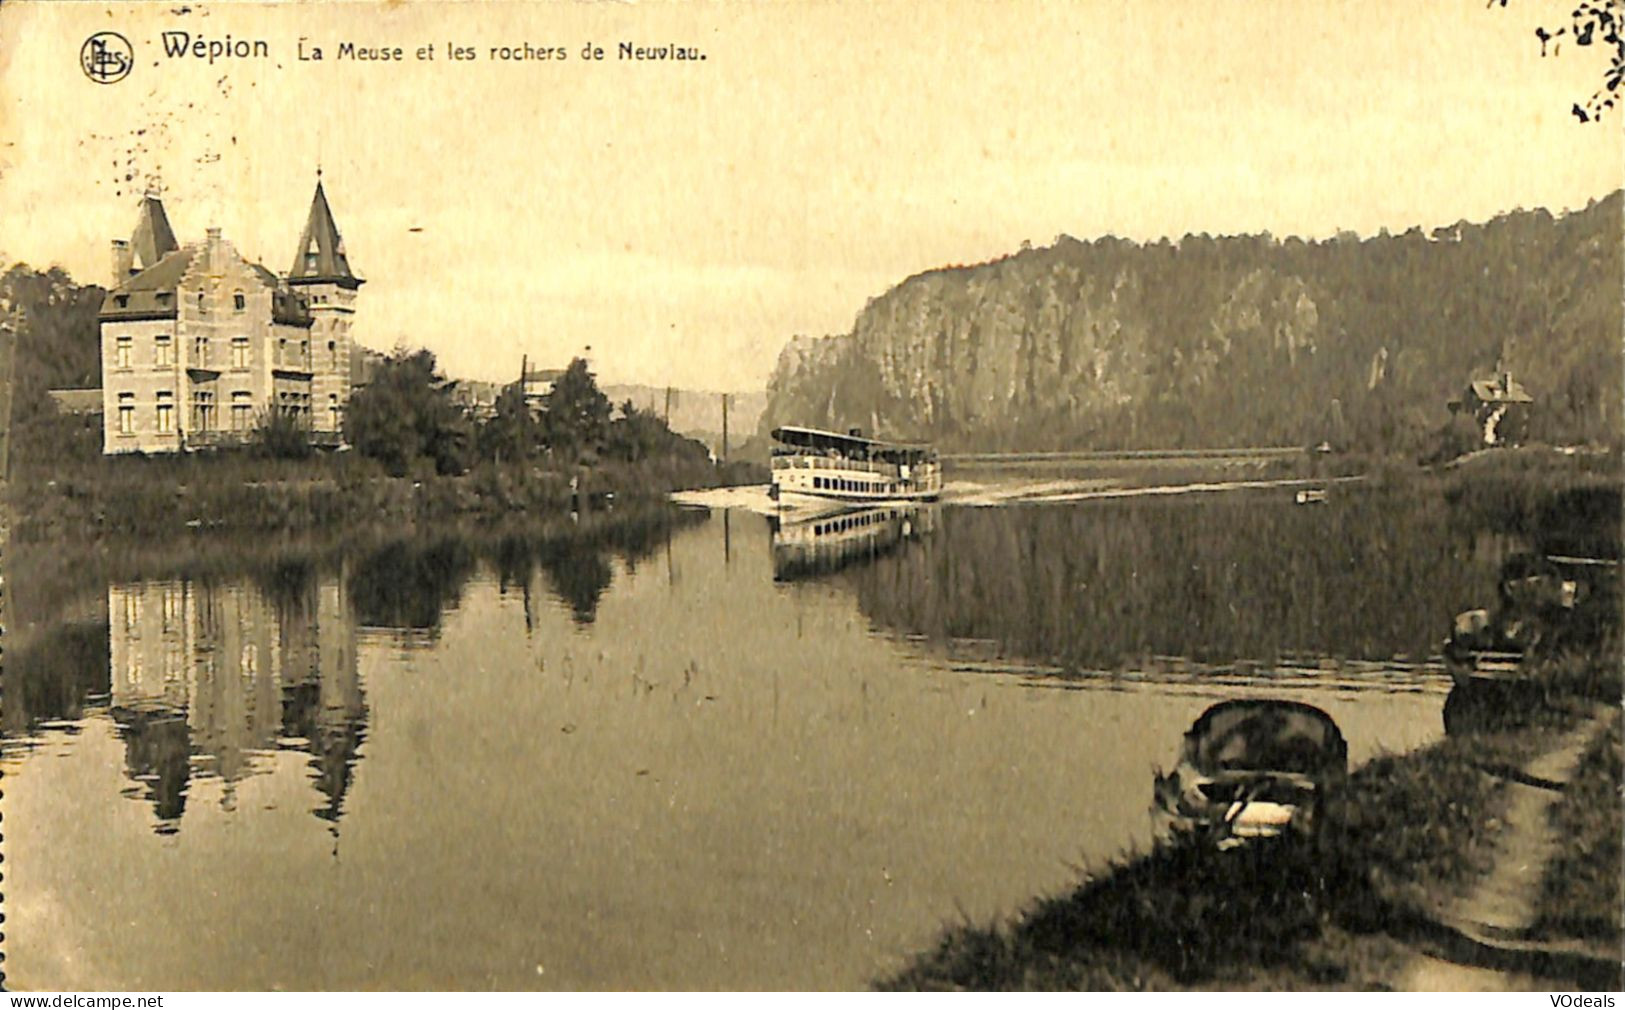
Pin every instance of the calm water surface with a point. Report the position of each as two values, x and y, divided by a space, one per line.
696 749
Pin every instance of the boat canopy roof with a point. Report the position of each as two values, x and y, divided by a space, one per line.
818 439
1263 734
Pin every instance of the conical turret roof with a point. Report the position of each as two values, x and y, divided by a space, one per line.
154 238
321 259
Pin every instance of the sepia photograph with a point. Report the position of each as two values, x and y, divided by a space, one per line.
856 495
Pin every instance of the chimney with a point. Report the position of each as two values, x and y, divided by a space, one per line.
214 248
123 261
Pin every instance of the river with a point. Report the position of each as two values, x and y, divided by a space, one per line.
683 748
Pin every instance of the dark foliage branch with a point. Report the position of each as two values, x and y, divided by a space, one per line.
1591 23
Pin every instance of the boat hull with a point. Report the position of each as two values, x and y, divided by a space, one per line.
816 480
837 499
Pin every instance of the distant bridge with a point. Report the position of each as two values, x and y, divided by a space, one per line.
1110 455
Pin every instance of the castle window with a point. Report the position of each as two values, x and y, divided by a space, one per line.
333 410
126 413
122 351
239 352
332 354
166 413
242 411
163 351
164 297
202 410
238 302
295 405
122 301
200 351
202 309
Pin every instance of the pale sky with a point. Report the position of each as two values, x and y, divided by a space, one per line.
686 219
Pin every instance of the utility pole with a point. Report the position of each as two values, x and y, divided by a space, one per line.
9 332
725 427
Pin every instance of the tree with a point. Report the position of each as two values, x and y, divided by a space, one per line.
512 434
577 416
452 441
637 434
58 345
406 413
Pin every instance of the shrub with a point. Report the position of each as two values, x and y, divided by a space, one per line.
281 434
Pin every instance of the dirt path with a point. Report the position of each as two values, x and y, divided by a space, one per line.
1483 945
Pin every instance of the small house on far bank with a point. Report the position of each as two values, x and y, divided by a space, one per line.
477 399
537 383
1499 407
540 381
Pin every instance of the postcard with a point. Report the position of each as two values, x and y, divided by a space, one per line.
812 496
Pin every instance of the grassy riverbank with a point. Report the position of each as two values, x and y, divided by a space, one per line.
156 496
1415 831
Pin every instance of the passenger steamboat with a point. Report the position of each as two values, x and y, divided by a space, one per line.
826 466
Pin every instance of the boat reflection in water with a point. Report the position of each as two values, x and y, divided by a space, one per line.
208 679
806 546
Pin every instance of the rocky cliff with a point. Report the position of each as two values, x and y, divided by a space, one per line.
1212 342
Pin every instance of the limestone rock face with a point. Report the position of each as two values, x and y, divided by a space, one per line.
1223 342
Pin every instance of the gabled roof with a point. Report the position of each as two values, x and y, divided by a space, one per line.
321 258
1494 391
154 238
150 293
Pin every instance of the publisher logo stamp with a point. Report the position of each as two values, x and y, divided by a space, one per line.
106 57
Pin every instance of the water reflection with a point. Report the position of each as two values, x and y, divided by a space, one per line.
407 585
628 751
208 678
574 562
53 677
1116 585
811 546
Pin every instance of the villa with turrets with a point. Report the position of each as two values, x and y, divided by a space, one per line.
198 344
